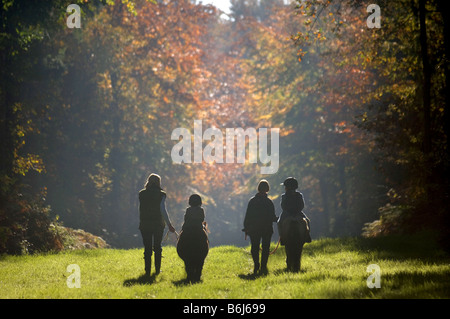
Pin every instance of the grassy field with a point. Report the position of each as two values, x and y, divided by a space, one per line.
331 268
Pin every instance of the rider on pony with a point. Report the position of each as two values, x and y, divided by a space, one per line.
292 204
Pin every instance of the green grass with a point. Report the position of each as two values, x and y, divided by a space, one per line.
331 268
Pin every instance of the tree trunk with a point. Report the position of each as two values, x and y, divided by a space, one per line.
7 117
326 207
426 79
116 157
446 28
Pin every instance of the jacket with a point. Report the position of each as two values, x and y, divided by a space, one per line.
193 218
260 215
150 215
292 204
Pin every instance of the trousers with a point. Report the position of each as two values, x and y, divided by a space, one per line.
152 238
256 240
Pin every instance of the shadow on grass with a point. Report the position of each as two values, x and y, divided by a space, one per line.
398 247
287 271
277 272
252 276
402 285
141 280
186 282
431 283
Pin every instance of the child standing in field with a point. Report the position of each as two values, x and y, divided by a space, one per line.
193 244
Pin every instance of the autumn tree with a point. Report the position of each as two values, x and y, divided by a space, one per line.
402 104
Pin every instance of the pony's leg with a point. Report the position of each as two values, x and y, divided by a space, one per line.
300 258
296 257
188 268
195 268
296 262
288 250
199 269
195 276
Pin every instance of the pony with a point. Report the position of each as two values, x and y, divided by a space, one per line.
192 248
293 237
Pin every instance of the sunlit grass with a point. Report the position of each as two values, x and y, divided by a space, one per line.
331 268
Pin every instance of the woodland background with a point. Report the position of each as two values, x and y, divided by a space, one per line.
86 114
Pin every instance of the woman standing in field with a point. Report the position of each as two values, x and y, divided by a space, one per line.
258 225
153 216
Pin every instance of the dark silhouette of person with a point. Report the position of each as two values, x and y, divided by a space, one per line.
292 205
259 217
193 244
195 215
153 216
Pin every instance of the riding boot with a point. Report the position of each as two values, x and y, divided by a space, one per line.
157 263
308 231
308 237
264 259
148 265
256 268
255 257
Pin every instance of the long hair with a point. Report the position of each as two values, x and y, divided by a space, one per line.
153 180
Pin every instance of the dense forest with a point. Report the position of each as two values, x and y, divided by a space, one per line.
88 113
